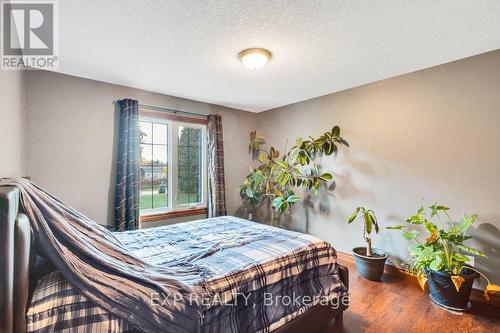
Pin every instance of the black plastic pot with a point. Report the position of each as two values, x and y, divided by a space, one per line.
370 268
443 291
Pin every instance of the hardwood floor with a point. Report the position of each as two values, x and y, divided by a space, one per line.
397 304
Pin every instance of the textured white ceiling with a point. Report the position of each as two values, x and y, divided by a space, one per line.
189 48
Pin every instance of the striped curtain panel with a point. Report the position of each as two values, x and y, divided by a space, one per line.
216 182
127 171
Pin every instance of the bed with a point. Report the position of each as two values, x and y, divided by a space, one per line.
257 278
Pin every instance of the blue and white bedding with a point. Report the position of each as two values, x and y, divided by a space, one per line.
254 278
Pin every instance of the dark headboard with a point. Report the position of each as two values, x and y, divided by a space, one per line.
15 261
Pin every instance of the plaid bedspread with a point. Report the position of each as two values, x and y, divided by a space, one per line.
255 278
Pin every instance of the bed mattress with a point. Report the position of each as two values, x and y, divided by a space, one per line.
253 277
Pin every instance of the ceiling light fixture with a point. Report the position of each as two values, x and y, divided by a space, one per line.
254 58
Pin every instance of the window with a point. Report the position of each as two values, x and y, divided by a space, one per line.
173 165
189 165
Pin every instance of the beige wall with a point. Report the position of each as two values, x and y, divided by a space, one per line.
428 136
12 111
71 128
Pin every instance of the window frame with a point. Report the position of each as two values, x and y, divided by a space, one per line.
174 209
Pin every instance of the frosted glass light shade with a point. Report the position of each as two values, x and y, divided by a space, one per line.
255 58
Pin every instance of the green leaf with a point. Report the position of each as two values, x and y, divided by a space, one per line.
466 222
352 217
278 203
415 250
368 222
416 219
436 208
285 177
411 234
327 148
292 198
460 257
431 227
282 164
396 227
316 183
436 264
249 192
471 250
426 254
321 140
335 131
373 220
326 176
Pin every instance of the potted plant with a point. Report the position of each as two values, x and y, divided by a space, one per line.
369 261
441 258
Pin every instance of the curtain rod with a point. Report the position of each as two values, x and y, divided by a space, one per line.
157 108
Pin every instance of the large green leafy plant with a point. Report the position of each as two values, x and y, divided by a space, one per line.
275 175
443 248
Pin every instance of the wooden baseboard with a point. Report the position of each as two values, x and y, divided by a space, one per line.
477 295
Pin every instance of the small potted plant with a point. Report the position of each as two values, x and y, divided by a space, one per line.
441 258
369 261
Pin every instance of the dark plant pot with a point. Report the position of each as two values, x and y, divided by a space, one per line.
370 268
443 291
